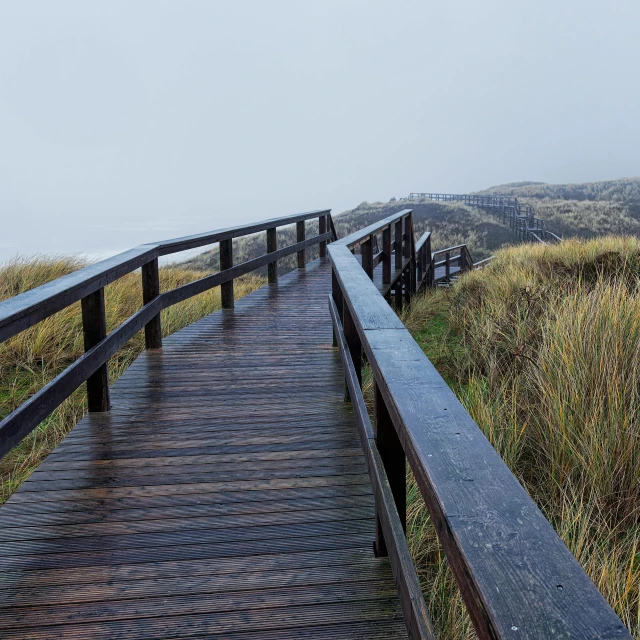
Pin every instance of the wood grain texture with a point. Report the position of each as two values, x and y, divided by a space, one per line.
514 572
225 494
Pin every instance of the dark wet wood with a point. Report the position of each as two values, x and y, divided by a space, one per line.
150 291
225 495
514 573
390 530
226 262
300 236
94 329
272 246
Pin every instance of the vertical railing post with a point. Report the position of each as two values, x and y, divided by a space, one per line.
94 327
428 263
300 226
366 251
353 344
420 262
272 245
336 293
394 461
447 266
386 257
226 262
398 265
408 278
322 228
151 290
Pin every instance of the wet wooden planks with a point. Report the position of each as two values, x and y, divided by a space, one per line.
225 494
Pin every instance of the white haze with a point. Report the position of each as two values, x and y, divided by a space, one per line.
124 122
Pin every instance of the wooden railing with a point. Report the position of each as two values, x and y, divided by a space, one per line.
516 576
87 285
519 217
451 260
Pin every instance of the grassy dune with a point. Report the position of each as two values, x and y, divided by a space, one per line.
543 350
31 359
583 210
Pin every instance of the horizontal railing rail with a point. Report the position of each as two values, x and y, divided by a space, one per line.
516 576
520 217
87 285
398 256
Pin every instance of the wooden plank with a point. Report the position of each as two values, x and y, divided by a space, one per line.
26 418
277 618
225 493
389 525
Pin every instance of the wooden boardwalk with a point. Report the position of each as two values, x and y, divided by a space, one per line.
224 495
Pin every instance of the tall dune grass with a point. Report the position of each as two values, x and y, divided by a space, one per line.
543 350
32 358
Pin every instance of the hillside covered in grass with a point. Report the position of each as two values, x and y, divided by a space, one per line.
582 210
543 349
34 357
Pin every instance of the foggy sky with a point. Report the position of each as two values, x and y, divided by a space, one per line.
124 122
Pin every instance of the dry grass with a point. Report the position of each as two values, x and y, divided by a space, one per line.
32 358
543 350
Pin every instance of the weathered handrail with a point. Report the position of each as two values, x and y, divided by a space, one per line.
87 285
516 576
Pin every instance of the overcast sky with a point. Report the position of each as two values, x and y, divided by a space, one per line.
124 122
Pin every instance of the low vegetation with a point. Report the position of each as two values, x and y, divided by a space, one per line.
32 358
584 210
543 350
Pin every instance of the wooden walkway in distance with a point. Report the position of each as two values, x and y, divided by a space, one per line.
224 495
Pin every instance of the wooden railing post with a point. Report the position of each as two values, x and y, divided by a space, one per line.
407 250
386 258
226 262
272 245
94 327
322 228
366 250
151 290
398 265
300 227
353 343
394 461
336 293
447 266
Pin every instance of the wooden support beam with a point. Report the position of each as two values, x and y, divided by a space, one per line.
150 291
94 327
386 260
300 231
366 249
226 262
353 343
322 228
272 245
394 461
